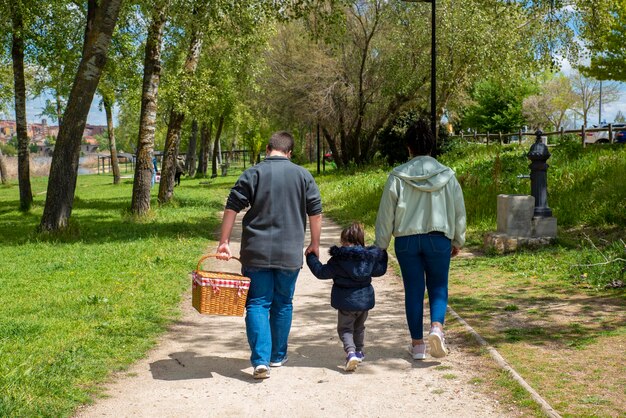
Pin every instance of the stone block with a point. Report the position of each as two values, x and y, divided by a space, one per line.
515 213
502 243
544 227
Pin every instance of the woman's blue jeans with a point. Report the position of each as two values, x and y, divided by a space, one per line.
268 312
425 262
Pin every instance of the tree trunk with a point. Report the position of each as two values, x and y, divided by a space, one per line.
170 153
333 147
108 108
190 160
172 140
205 143
23 154
59 108
216 147
144 168
64 169
220 154
343 146
3 170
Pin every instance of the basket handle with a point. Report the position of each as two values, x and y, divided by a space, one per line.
209 256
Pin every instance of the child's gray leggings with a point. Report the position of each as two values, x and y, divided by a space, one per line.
351 329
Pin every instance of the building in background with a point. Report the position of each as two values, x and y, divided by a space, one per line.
43 135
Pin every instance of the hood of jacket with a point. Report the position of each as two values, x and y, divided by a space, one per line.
357 262
424 173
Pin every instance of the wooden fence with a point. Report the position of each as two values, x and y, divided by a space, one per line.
586 135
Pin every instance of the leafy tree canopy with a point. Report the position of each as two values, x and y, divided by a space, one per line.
604 29
497 105
548 108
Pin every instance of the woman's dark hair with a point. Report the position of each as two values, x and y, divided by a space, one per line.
354 234
419 138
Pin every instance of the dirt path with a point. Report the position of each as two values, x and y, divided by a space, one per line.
201 366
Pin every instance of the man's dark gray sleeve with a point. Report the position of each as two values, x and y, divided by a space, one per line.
241 194
313 198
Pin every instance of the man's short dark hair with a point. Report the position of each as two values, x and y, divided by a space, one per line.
281 141
419 138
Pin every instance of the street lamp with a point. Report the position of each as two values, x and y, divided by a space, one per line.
433 67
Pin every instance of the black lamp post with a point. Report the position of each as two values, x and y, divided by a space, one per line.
433 66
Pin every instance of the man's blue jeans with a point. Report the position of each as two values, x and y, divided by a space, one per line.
424 260
268 312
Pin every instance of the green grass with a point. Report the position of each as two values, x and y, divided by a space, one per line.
518 395
76 306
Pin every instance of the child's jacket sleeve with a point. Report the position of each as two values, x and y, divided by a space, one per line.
321 271
380 264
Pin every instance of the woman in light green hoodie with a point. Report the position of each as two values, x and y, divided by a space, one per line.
422 207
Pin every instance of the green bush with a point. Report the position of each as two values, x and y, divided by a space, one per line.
8 150
566 140
391 139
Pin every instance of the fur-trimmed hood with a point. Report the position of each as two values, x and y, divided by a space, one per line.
356 252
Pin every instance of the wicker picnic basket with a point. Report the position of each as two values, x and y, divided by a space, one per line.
218 293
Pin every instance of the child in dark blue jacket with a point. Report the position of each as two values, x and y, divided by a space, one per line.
351 267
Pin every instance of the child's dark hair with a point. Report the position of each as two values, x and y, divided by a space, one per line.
419 138
354 234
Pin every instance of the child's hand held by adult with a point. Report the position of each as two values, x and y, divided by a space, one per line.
314 249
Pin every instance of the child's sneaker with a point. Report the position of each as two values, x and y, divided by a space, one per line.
261 372
360 356
279 363
352 361
437 343
418 352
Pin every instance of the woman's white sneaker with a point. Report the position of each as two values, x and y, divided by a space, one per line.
418 352
437 343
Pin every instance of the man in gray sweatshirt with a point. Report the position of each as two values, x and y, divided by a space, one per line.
280 196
